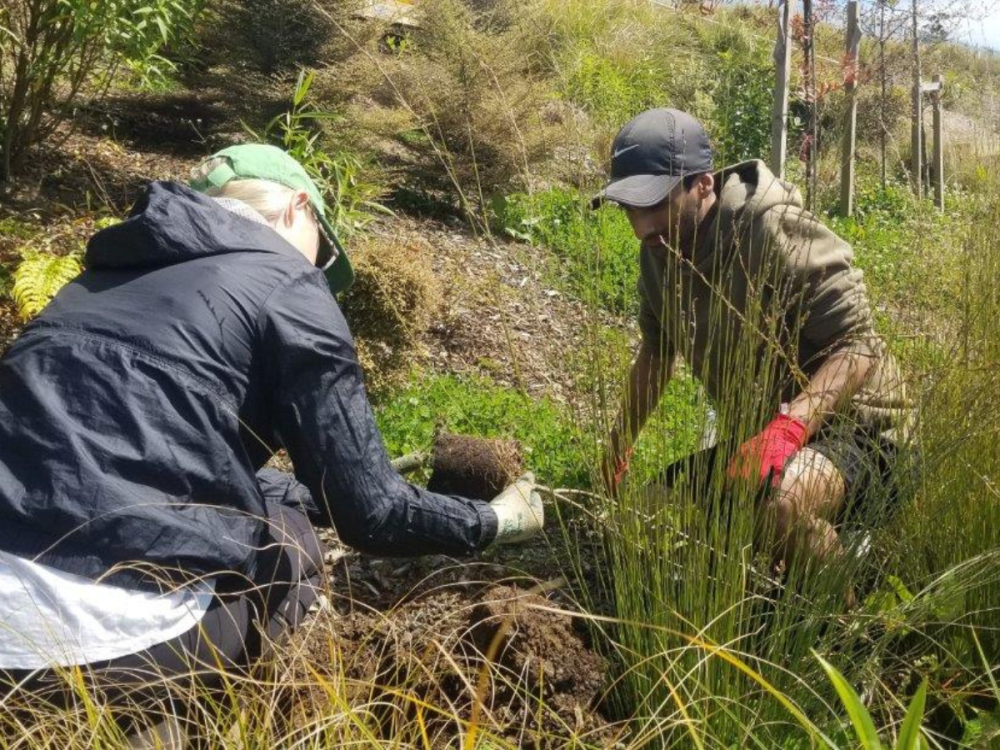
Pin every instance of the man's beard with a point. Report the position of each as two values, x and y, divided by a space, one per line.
686 231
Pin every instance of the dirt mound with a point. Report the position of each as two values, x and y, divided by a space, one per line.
525 634
508 658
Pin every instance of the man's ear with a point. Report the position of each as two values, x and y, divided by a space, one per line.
706 184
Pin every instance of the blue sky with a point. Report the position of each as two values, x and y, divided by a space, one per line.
984 33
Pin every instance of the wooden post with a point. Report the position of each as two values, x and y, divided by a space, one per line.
851 116
783 72
812 119
884 81
916 140
938 145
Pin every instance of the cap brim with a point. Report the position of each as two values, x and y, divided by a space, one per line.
340 273
640 191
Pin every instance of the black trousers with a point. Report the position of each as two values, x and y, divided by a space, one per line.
244 616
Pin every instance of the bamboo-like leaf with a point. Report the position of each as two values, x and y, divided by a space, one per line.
909 732
860 718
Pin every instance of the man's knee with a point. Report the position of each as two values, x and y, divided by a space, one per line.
811 485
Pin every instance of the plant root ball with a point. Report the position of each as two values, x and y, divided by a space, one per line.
473 467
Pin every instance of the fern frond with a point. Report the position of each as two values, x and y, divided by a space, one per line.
39 276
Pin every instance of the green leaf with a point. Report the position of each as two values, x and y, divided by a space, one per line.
302 87
164 31
909 732
860 718
39 277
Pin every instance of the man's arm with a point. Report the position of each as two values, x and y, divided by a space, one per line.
834 383
646 380
837 320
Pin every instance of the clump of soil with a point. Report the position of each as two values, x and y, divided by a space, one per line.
541 680
525 634
474 467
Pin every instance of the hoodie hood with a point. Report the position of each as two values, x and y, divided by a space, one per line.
171 224
747 191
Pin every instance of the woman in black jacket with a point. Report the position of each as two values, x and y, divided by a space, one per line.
138 533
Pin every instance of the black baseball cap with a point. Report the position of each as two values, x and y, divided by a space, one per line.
652 154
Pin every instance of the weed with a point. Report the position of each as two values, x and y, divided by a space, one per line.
394 299
475 406
352 199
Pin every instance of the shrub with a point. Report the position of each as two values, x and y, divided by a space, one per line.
473 106
392 303
53 48
742 91
351 189
271 36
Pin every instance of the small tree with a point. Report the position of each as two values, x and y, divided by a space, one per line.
51 49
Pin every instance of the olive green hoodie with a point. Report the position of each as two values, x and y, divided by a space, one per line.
768 294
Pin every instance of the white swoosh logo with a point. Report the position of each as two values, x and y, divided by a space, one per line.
616 154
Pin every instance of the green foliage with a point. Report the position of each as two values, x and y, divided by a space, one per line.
142 32
742 89
614 91
54 48
352 198
909 252
476 406
38 278
597 251
909 737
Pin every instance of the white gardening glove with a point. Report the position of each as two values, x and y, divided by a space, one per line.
519 511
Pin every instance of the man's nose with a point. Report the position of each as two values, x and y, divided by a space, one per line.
642 224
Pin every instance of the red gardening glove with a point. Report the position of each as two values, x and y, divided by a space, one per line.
767 452
614 470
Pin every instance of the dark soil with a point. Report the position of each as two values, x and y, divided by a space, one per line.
177 124
474 467
541 685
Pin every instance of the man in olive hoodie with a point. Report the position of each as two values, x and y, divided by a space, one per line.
763 303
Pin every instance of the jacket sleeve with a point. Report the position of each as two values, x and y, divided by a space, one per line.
834 312
323 418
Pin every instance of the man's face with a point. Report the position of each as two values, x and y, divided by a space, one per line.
672 221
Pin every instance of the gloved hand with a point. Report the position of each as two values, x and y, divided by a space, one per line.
519 511
767 452
613 469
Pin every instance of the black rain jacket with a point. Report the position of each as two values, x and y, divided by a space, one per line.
137 408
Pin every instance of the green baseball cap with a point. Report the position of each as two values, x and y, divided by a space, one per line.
259 161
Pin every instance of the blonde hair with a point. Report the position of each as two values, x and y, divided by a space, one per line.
267 198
